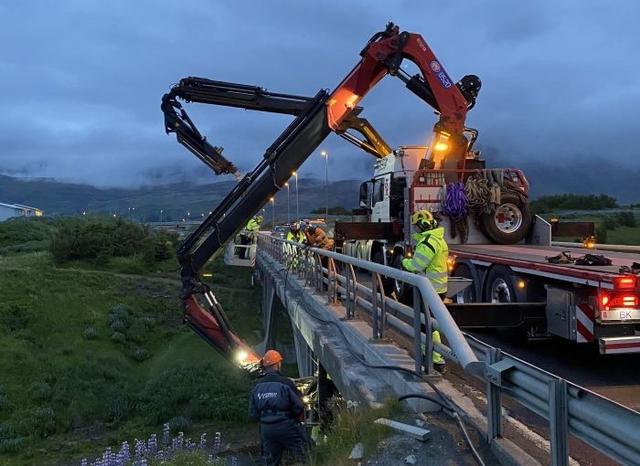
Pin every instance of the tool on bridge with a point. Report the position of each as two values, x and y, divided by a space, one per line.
315 118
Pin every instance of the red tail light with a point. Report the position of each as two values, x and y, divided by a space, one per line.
618 300
625 282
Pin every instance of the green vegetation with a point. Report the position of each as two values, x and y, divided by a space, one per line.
94 353
350 426
573 202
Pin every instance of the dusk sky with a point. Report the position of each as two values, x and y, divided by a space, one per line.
82 80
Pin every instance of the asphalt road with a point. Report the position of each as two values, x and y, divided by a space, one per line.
615 376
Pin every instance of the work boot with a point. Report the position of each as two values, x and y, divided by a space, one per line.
440 368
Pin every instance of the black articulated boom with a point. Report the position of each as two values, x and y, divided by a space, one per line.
315 118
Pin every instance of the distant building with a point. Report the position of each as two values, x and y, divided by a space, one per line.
18 210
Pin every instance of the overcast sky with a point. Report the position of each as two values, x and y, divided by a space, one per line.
82 80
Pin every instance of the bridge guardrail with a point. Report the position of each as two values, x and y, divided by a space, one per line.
607 426
309 262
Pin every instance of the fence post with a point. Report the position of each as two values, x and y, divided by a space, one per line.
558 422
417 334
494 400
374 304
382 321
428 331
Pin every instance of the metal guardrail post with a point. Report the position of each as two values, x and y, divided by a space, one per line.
417 336
494 399
428 331
558 422
374 304
332 281
382 321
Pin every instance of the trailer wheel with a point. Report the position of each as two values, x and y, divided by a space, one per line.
499 286
468 295
387 283
403 291
510 222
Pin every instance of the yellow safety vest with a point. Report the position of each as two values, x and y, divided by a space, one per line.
430 258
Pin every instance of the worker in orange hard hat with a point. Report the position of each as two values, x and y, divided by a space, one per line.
277 404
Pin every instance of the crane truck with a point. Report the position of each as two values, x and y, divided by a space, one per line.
314 119
505 252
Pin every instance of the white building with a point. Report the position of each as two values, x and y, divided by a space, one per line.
18 210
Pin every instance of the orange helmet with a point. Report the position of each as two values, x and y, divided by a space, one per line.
271 358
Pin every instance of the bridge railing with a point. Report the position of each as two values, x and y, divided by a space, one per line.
335 275
605 425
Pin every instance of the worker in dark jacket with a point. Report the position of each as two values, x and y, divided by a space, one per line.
277 404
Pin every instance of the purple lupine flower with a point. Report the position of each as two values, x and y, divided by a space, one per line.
217 442
125 456
84 462
166 434
203 441
152 444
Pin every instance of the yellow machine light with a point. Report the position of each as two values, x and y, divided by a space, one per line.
408 254
207 275
441 146
241 356
442 142
306 399
521 284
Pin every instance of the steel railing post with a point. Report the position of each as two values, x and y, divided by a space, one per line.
374 304
558 422
417 334
428 330
494 399
382 321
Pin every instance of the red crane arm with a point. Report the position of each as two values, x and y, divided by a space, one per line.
383 55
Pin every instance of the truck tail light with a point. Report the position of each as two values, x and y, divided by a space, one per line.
618 301
625 283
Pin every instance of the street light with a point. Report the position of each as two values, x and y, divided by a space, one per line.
295 174
325 156
161 211
273 212
288 203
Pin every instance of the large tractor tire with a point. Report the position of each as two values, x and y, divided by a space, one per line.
510 222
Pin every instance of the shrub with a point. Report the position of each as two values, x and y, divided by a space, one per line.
138 331
40 422
119 337
179 424
118 326
90 333
10 442
118 312
140 354
609 223
5 404
14 318
601 234
196 392
118 406
40 391
626 219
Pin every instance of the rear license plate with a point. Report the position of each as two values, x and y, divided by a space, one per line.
620 314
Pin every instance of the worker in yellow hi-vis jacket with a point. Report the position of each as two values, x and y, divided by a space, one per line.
430 259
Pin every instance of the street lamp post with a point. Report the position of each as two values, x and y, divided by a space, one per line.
295 174
161 211
273 212
288 203
325 155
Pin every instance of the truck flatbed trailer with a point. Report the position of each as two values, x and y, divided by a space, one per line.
582 303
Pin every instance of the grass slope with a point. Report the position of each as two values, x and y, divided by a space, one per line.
89 358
